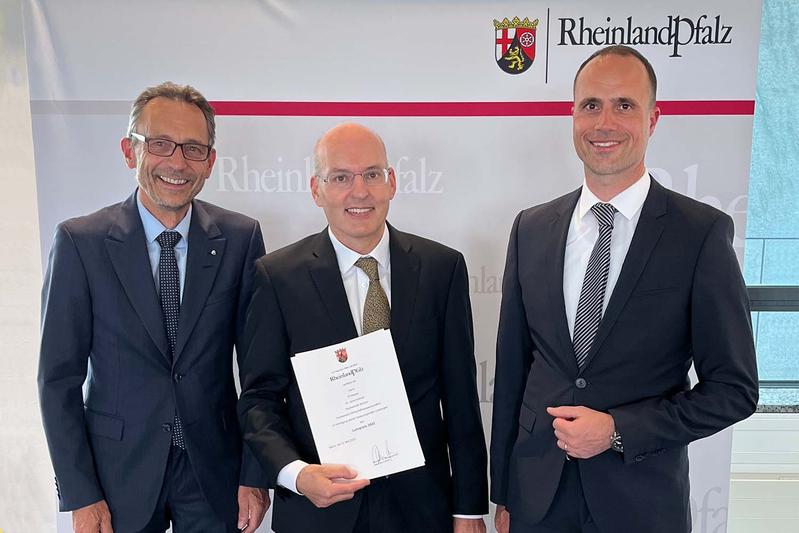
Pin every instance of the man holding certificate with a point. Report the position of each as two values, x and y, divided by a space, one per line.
360 347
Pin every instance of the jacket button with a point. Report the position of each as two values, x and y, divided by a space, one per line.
177 377
580 383
166 427
638 458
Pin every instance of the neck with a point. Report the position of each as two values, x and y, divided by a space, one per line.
170 218
607 187
363 245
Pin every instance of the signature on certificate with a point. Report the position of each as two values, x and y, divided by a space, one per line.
384 455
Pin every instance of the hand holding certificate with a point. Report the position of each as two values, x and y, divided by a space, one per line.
357 406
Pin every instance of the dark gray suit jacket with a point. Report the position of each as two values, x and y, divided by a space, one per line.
101 317
299 304
680 298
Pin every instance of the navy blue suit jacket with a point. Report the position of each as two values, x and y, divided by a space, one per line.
679 299
101 318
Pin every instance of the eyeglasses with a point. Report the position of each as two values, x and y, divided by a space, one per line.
343 179
165 148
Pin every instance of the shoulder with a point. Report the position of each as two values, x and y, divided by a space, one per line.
431 253
227 220
291 257
693 215
545 212
93 225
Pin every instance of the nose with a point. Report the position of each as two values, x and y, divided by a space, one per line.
604 120
359 188
177 158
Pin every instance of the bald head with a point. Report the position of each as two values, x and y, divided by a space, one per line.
345 138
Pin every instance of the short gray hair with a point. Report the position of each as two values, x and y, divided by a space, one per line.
180 93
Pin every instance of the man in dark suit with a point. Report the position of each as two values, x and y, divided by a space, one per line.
150 294
358 275
610 294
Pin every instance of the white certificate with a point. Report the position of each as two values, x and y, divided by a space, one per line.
357 406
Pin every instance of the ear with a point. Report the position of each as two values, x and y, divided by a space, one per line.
315 191
392 181
210 162
128 152
654 115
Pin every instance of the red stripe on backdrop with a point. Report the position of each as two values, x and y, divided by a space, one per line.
460 109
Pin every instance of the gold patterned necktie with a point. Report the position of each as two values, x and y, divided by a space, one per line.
376 311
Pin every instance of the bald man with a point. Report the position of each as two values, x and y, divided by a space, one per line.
312 294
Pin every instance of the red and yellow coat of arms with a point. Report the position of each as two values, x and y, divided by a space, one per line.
515 44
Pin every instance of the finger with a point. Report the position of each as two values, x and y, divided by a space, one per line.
565 411
353 486
338 471
244 511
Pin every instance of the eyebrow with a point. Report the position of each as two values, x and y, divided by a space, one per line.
617 100
170 138
371 167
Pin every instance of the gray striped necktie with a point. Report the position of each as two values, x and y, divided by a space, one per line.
592 295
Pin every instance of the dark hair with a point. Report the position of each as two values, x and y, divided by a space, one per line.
621 50
180 93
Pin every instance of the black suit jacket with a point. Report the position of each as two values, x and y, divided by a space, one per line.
679 299
100 310
299 303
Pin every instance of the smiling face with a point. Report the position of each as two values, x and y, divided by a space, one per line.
613 118
168 184
357 214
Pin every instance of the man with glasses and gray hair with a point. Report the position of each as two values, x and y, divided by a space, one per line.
144 300
359 275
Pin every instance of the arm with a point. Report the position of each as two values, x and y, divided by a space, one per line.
66 342
723 355
265 377
514 357
459 400
265 372
251 473
253 498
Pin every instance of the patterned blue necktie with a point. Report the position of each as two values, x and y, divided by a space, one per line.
592 295
169 288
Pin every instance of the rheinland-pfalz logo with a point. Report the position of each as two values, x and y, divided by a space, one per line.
515 44
676 32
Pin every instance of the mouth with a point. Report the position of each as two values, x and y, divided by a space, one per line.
173 181
605 144
359 211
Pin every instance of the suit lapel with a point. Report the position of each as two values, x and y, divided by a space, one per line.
127 249
555 241
647 233
404 283
326 276
206 250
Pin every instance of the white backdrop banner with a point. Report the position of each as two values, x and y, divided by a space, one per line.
475 131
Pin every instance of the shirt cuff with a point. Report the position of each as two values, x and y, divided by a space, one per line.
287 477
468 516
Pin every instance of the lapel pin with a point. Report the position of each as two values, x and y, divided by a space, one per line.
213 252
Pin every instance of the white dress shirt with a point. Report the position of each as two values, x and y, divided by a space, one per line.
583 233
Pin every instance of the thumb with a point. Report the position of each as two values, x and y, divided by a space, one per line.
244 513
565 411
339 471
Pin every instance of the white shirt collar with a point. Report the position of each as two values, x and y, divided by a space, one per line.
628 202
346 257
